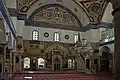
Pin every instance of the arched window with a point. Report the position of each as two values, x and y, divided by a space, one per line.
41 63
71 63
26 63
35 35
75 38
56 36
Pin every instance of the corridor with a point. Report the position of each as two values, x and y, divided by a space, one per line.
64 75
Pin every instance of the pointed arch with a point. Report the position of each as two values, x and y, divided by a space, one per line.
54 46
72 8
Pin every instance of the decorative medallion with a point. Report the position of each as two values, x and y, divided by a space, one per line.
67 37
46 34
93 8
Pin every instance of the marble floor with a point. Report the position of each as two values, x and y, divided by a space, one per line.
64 75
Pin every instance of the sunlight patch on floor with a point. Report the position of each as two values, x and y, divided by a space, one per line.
28 77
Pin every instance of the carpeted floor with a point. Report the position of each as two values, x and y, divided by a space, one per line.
61 76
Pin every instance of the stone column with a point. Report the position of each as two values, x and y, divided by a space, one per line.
99 63
117 44
3 63
52 63
10 62
14 62
20 62
116 14
36 61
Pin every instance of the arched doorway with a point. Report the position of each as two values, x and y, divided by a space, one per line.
41 63
57 64
105 59
55 57
26 63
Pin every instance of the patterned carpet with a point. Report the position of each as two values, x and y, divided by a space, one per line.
61 76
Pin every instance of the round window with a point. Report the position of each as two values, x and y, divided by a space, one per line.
46 34
66 37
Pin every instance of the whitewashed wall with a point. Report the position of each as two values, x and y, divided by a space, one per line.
107 17
92 35
11 3
27 34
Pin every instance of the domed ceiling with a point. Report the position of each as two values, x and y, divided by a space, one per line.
90 11
93 8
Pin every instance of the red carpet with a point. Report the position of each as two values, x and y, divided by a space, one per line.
62 76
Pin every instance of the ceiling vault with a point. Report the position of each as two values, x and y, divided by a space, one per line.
93 8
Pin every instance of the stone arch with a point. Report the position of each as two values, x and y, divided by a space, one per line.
106 59
57 57
54 46
64 4
104 49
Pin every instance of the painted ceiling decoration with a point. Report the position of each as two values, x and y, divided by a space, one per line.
24 5
93 8
55 15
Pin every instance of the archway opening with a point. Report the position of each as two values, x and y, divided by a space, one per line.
54 15
57 64
71 63
26 63
106 59
41 63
